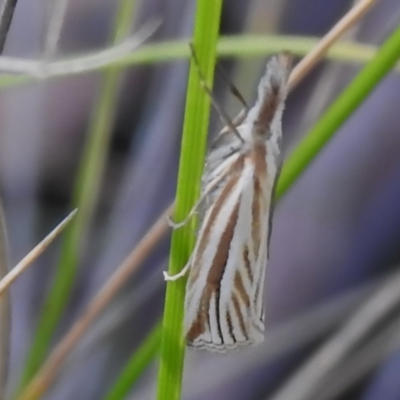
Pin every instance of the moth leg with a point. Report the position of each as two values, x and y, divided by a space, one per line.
195 208
177 225
179 275
193 211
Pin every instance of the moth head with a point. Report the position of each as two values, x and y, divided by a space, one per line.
266 113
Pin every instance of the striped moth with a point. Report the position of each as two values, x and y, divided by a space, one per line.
224 293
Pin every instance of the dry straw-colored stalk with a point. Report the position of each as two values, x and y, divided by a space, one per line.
309 61
32 256
77 65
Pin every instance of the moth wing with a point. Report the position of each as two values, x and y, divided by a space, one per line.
225 287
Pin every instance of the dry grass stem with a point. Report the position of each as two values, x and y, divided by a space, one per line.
304 383
7 9
5 319
33 254
43 69
57 14
6 15
362 363
318 52
50 368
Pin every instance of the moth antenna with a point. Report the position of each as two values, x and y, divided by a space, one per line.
234 90
222 114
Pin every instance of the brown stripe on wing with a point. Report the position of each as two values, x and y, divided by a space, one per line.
230 325
239 315
199 325
218 265
239 287
258 156
259 285
267 110
233 177
274 92
247 263
256 222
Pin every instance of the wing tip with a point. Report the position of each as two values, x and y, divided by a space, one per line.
202 344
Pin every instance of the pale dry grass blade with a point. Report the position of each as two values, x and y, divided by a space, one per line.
7 8
4 306
57 14
307 380
78 65
49 370
6 15
33 254
362 363
318 52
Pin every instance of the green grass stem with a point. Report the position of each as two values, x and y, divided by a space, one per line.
229 46
190 169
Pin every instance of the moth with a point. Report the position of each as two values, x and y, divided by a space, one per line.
224 307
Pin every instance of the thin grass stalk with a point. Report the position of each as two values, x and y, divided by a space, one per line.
4 307
231 46
193 148
85 197
340 28
44 69
316 370
7 9
347 102
7 280
6 15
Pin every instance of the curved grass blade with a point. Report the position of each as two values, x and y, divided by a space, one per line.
32 256
347 102
242 46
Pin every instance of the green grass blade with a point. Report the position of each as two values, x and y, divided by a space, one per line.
85 197
190 169
229 46
304 154
348 101
249 46
136 365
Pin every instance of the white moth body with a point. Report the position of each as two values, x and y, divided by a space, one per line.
224 295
